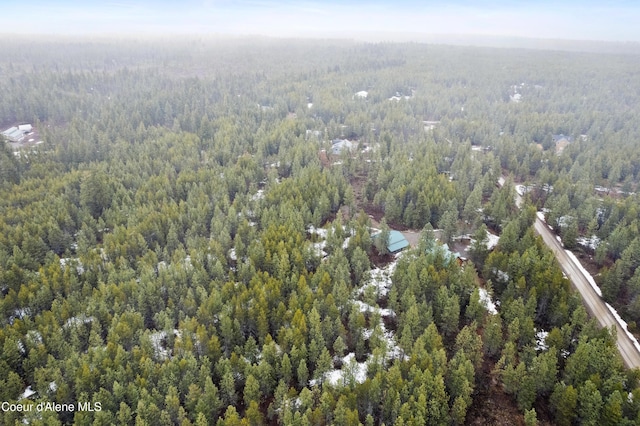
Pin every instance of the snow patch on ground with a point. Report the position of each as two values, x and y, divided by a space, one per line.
491 241
345 243
258 195
34 336
75 321
501 275
564 221
321 232
21 313
398 98
27 393
366 308
541 340
592 242
69 261
157 339
393 350
485 298
349 366
380 279
318 249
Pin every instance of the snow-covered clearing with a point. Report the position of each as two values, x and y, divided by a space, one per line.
485 298
349 366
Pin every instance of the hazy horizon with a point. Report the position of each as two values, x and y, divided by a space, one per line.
368 19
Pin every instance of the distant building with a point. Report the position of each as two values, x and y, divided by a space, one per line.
430 124
561 142
16 134
362 94
451 256
340 145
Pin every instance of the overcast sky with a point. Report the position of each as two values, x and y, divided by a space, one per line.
563 19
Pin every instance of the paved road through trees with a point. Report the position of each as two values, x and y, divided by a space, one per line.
592 301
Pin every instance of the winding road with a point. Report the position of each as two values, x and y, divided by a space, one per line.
593 302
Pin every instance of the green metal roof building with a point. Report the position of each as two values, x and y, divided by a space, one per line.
396 242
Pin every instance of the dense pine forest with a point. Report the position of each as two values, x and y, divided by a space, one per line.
182 242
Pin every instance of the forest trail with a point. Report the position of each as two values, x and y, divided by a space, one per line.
592 301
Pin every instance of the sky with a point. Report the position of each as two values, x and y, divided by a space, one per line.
562 19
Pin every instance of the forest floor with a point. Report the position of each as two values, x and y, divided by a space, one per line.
492 406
